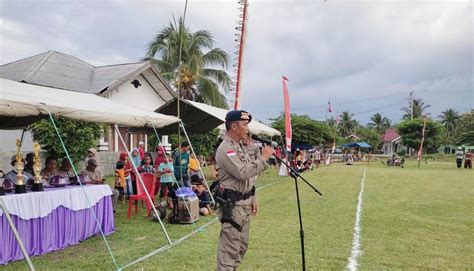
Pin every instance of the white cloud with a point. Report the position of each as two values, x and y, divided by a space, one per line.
338 50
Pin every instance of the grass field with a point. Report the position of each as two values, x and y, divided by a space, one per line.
411 219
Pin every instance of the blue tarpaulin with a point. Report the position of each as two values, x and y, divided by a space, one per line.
356 145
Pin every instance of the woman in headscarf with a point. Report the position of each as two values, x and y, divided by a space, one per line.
136 160
160 156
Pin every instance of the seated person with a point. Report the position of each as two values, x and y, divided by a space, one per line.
350 161
10 177
147 166
95 177
29 163
65 170
203 196
299 166
49 169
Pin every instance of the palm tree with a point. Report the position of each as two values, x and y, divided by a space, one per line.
347 125
449 119
201 72
379 123
418 109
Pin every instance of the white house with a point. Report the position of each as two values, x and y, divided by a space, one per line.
136 84
392 142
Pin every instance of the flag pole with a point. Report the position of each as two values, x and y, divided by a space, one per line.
420 150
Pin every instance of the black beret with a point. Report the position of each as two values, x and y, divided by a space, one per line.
236 115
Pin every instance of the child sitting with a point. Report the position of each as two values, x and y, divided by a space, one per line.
203 196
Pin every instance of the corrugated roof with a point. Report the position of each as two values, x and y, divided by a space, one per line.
390 135
55 69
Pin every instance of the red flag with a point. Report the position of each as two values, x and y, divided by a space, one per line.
329 107
286 99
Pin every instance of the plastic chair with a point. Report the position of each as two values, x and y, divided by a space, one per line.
149 180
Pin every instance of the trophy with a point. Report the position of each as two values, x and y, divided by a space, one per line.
38 184
20 186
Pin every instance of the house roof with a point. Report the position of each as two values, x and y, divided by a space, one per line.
390 135
356 145
22 104
59 70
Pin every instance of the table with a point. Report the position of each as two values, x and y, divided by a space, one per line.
54 219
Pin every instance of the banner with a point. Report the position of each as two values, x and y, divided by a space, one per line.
286 99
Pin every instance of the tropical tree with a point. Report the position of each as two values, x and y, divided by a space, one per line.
347 125
379 123
201 73
370 136
411 131
305 129
419 108
449 119
464 133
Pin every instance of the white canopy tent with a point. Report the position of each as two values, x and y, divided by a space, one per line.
255 126
22 104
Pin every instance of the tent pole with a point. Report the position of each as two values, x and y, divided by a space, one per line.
199 164
139 177
15 233
174 177
82 187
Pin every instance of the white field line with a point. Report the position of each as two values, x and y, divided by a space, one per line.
356 251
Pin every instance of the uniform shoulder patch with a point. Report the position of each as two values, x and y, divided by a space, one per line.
230 152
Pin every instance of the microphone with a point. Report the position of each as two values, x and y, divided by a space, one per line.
264 141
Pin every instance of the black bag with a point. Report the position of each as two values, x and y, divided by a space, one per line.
161 211
173 216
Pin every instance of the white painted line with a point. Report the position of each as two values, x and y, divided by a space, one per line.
356 251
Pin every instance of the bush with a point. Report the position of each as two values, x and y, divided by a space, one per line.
78 136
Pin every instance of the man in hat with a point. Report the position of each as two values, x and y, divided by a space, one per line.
235 171
10 177
459 156
95 177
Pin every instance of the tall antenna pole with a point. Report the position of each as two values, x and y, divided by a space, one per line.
242 28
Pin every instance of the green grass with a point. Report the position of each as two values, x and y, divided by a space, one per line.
412 219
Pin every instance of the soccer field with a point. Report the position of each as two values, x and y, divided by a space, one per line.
410 218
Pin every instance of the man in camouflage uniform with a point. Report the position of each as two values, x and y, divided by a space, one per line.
236 171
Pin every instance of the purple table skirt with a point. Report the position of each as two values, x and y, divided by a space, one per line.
62 228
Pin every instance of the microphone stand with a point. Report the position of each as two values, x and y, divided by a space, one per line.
295 175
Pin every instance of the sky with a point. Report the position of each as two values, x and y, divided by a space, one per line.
363 56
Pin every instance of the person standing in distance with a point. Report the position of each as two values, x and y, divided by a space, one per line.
459 157
236 172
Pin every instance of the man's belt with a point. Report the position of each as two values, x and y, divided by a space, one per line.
237 196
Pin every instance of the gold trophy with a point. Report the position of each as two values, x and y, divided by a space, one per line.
20 186
38 184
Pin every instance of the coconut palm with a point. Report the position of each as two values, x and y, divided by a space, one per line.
347 125
201 73
418 109
379 123
449 119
